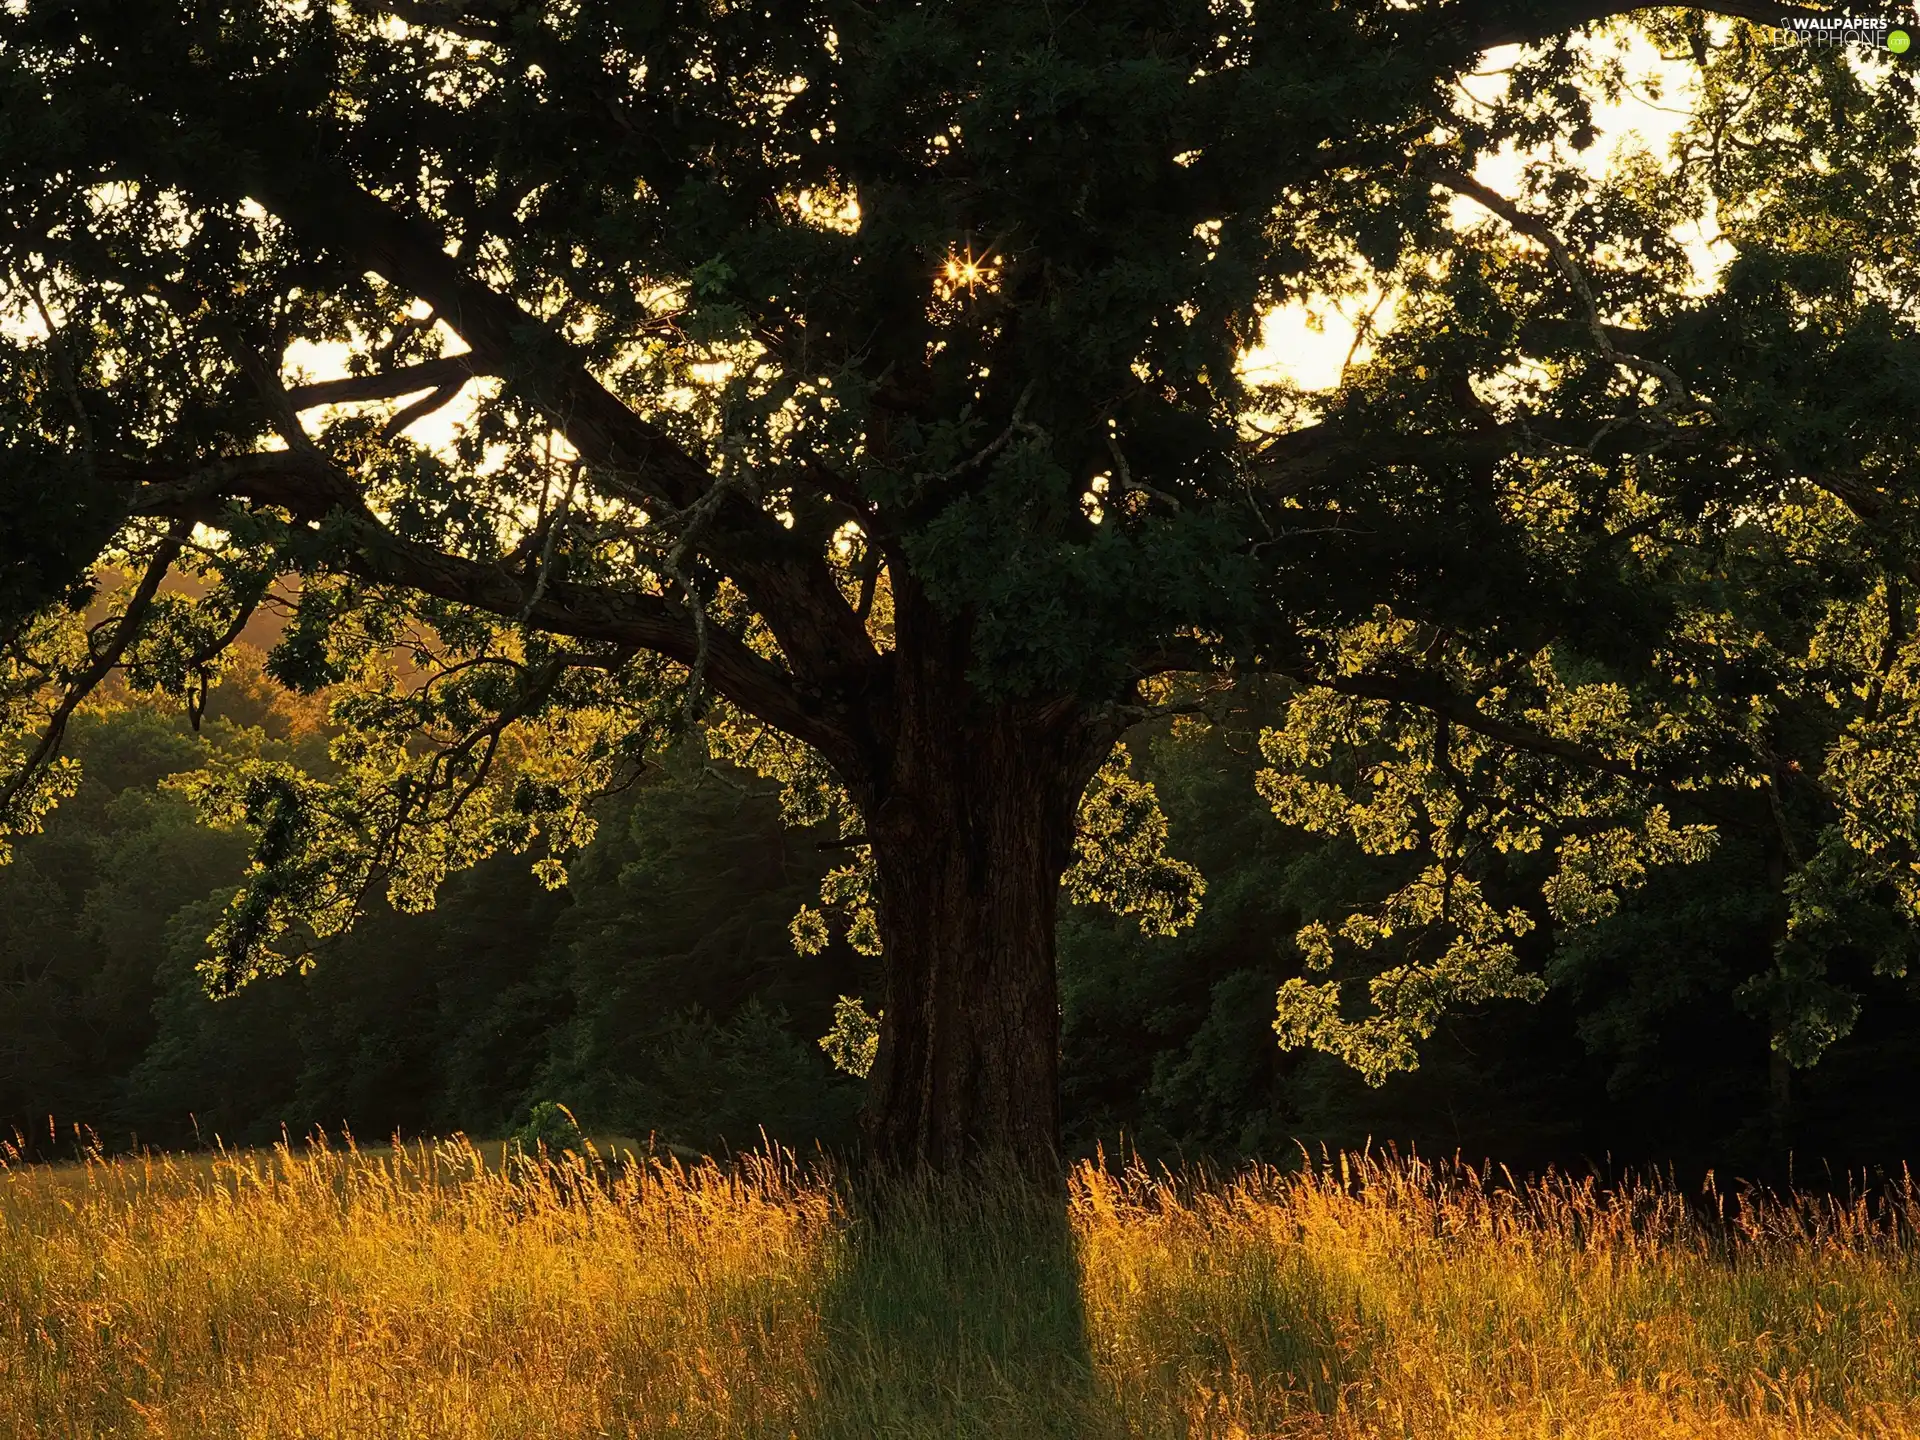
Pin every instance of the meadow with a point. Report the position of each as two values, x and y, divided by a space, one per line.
443 1290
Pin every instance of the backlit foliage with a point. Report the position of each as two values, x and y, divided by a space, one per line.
1398 781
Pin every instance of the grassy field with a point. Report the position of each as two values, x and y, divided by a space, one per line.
428 1291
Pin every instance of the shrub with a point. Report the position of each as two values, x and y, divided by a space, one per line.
550 1128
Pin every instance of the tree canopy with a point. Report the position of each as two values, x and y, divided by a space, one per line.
861 384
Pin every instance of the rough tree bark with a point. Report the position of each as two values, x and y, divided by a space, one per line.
972 828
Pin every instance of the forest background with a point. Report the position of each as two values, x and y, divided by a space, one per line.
660 993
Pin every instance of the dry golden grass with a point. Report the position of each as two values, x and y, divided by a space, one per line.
421 1291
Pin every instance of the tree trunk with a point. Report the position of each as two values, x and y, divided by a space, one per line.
971 833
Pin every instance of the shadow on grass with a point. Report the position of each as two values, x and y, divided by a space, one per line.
1208 1318
954 1310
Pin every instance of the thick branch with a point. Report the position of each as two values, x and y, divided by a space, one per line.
1290 461
794 593
388 385
313 490
627 452
1853 490
421 408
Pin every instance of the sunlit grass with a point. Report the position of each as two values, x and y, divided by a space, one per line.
431 1291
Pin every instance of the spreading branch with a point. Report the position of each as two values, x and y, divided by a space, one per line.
794 591
388 384
99 665
312 490
1603 335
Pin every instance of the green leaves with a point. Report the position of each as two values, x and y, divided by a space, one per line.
1119 854
1478 963
854 1039
1595 868
1468 812
433 773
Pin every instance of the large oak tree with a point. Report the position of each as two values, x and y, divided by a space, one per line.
860 382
